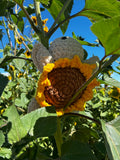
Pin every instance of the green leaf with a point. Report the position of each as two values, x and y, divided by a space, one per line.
45 2
97 10
3 83
82 42
18 21
2 138
17 131
111 132
3 4
20 2
45 126
5 153
30 119
55 7
74 150
19 63
22 101
110 81
108 32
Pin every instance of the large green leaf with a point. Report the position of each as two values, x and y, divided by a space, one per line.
5 153
19 63
3 83
98 9
30 119
45 2
55 7
20 2
17 131
45 126
18 20
75 150
112 138
2 138
108 32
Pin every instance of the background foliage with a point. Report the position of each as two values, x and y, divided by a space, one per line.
90 135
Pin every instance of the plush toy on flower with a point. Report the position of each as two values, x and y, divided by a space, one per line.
64 71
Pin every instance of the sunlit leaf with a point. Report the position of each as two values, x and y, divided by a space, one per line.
19 63
30 119
112 138
82 42
45 2
110 81
108 32
17 131
97 10
2 138
5 153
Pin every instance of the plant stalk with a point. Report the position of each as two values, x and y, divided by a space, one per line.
58 136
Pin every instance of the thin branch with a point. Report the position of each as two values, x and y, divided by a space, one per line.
8 34
30 21
58 25
59 15
84 116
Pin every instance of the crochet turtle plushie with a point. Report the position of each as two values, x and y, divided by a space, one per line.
64 71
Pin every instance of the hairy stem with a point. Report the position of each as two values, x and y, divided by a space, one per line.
95 74
38 14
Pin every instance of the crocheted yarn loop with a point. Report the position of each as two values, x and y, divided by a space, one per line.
64 84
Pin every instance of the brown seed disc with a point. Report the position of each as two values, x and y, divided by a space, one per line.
64 84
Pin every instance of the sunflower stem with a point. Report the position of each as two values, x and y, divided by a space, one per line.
58 136
95 74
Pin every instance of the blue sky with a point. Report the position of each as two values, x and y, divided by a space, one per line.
79 25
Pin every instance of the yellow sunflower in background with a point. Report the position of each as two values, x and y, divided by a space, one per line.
34 19
44 21
12 68
45 29
61 80
115 93
19 40
28 54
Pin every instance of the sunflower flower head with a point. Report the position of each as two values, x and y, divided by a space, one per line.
11 67
114 93
61 79
28 54
44 21
34 20
19 40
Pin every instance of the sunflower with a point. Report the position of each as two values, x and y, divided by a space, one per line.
114 93
61 80
28 54
34 19
45 29
12 68
44 21
19 40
